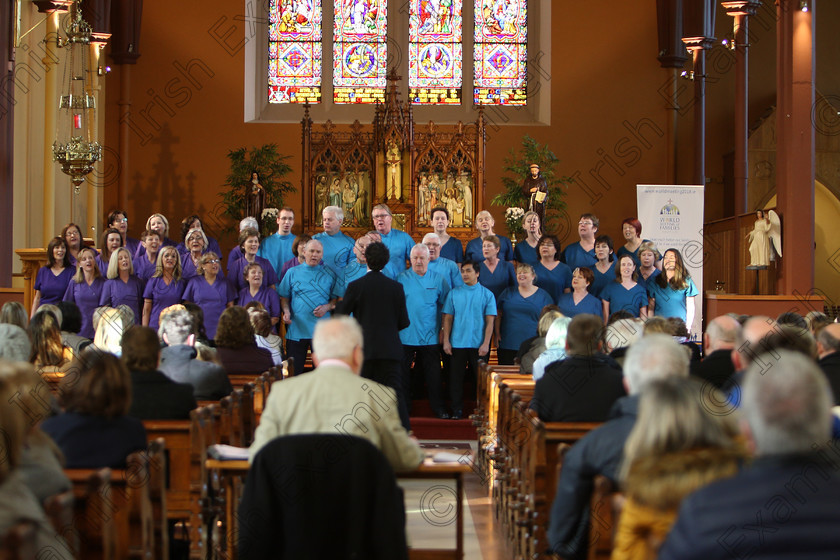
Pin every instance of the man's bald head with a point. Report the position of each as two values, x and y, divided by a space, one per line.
748 344
722 333
828 340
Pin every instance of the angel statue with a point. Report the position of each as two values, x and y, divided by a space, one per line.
765 239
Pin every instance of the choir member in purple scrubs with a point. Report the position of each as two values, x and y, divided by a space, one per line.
52 280
85 289
165 287
160 224
111 241
210 291
72 235
118 219
249 244
255 291
123 287
146 264
196 247
297 248
187 225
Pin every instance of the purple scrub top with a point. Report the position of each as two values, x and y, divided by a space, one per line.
162 296
86 297
130 293
238 282
267 297
212 300
53 287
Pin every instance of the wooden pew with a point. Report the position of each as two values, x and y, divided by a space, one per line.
203 491
491 453
60 512
18 542
93 531
176 435
603 518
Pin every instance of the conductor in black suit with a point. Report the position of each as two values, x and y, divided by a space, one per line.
378 303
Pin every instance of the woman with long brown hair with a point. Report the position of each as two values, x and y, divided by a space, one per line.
672 292
52 280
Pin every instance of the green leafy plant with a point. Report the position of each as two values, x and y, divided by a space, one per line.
272 168
517 168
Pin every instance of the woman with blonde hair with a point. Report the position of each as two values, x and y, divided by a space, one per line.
160 224
14 313
210 291
682 440
109 331
85 290
165 287
526 250
123 287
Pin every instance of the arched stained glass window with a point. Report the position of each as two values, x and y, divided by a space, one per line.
501 54
435 68
294 51
360 51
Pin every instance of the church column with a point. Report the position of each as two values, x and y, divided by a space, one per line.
699 28
51 93
7 130
795 155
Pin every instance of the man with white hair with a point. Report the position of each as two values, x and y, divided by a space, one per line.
718 341
236 252
335 399
356 268
14 343
484 223
178 360
785 503
446 268
425 292
338 246
654 357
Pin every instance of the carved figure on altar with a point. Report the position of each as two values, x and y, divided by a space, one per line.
393 159
335 193
321 195
765 239
255 197
536 187
423 207
465 194
361 206
349 199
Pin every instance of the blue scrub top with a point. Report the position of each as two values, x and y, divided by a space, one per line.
520 316
553 281
634 254
646 283
575 257
448 270
524 253
277 249
468 306
670 302
475 253
306 287
453 250
338 250
399 244
424 298
620 298
602 280
590 304
351 272
502 278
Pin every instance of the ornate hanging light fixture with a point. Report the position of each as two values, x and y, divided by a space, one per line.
74 147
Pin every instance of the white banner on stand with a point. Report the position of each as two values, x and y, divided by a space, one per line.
672 217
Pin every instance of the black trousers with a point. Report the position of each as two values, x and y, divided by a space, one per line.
458 365
297 349
428 361
390 373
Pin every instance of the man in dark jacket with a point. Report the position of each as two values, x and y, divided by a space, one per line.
828 350
153 395
718 342
584 386
653 357
178 360
784 504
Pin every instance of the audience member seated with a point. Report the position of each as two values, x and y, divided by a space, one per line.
555 346
153 395
110 327
828 350
334 398
718 342
236 347
679 331
13 313
584 386
95 430
792 318
621 334
682 440
48 351
14 343
531 348
71 324
264 332
784 504
41 460
178 359
17 501
817 320
652 358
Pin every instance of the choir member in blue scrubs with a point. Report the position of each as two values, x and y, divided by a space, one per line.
160 224
249 244
355 269
484 223
526 250
85 289
165 287
631 229
446 268
582 253
146 264
111 241
604 269
580 300
552 275
210 291
256 291
625 294
72 235
495 275
399 243
122 286
52 279
519 309
338 246
450 248
468 315
277 248
187 225
672 292
648 255
118 219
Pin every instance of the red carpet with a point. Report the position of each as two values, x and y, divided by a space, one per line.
426 426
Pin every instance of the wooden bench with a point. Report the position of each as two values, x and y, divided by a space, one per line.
18 542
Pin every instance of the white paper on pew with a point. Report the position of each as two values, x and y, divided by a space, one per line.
447 457
223 452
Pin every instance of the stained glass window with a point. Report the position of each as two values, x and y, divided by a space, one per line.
294 51
360 51
500 57
435 69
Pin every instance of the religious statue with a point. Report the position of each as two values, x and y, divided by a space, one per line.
393 158
765 239
255 197
536 187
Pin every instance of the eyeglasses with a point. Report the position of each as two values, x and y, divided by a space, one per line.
432 244
214 261
585 223
380 216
